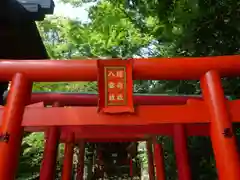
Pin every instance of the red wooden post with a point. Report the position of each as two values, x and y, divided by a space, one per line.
159 160
223 140
68 159
180 147
80 171
130 167
150 160
100 163
48 167
11 130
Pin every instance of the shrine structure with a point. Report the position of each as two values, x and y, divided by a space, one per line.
116 114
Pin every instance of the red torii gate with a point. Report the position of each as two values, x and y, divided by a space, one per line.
213 112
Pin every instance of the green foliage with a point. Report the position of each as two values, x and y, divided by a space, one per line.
32 154
65 87
32 151
169 157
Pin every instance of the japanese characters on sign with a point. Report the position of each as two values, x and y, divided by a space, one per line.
115 78
115 86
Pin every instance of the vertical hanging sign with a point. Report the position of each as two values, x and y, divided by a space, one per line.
115 86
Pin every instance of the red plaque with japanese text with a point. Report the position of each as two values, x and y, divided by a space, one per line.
115 86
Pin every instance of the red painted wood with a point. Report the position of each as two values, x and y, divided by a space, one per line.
68 158
11 124
215 111
159 160
48 167
151 171
115 86
143 68
180 148
95 133
123 132
130 167
80 171
225 150
96 137
148 116
66 99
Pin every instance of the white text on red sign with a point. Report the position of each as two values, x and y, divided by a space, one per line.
119 74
